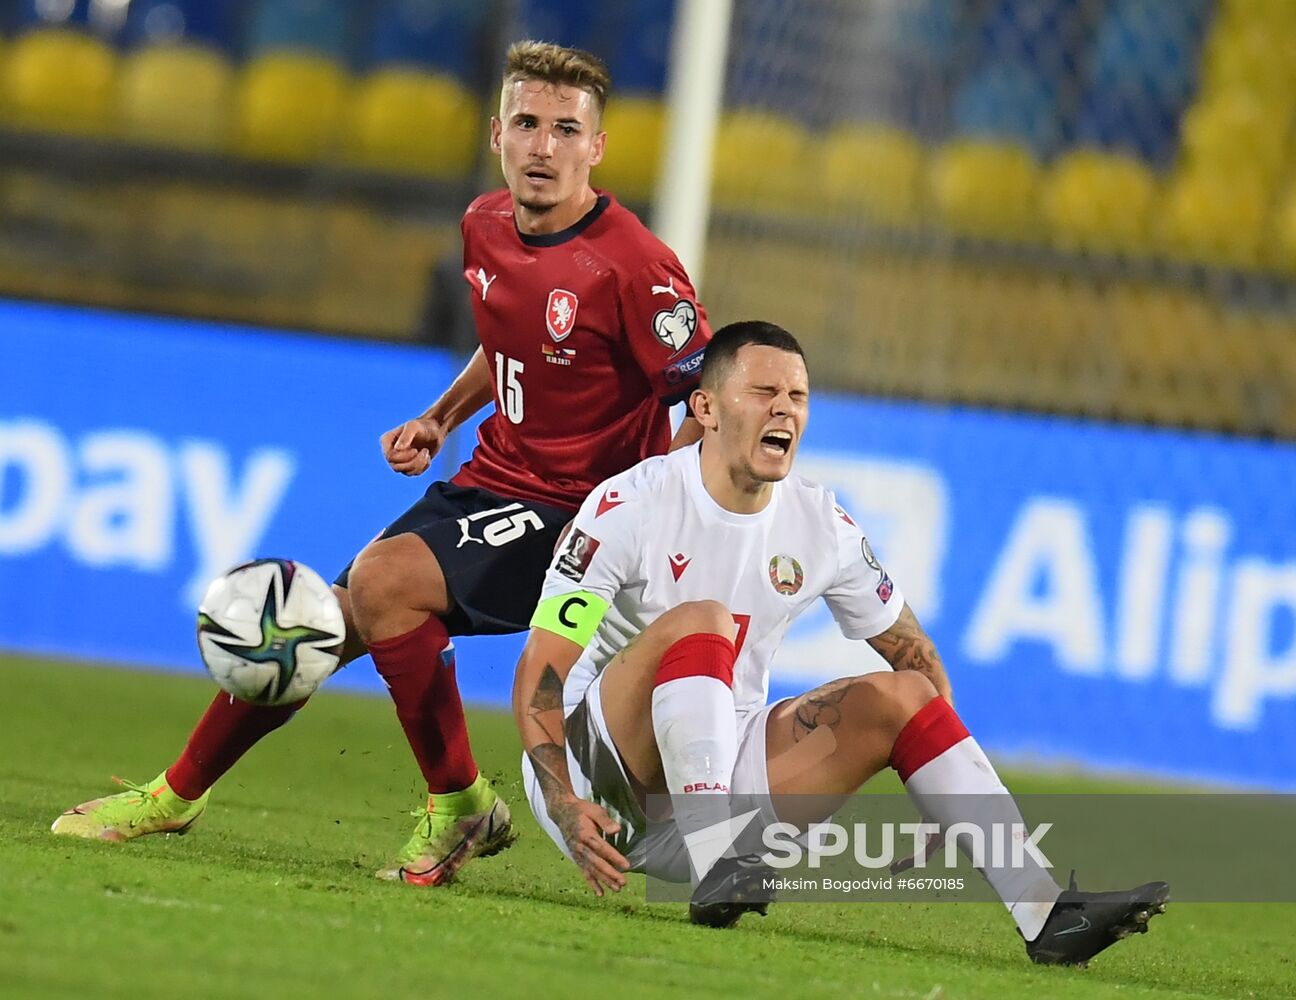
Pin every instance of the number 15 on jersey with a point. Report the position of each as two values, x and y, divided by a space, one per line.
508 387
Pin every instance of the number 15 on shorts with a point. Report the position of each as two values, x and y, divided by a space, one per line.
504 525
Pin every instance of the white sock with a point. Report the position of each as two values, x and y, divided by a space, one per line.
697 736
960 785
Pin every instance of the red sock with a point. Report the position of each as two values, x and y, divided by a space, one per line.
699 655
934 729
228 729
422 684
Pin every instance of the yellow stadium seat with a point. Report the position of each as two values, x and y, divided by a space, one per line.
1284 225
1274 14
1099 201
290 106
762 164
177 96
986 188
875 170
410 121
59 80
1237 130
1215 217
636 128
1251 56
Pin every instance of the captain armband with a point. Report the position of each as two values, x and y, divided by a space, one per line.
573 616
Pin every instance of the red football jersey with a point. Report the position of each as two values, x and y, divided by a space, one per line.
590 334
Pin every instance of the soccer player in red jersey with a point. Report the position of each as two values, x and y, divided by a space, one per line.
589 330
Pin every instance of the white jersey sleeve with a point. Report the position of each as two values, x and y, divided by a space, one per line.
601 551
863 599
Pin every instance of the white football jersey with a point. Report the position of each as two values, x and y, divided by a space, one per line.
653 538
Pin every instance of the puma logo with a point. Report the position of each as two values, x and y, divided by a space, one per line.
485 281
666 289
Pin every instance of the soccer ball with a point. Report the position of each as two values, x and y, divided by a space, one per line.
270 631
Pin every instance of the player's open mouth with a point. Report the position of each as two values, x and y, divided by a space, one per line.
540 175
776 443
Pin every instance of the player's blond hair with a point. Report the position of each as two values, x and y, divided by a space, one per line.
557 64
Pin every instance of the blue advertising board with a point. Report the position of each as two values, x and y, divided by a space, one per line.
1101 595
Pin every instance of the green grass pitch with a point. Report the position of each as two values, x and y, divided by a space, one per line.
273 893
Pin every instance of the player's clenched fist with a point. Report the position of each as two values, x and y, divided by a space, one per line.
409 448
583 825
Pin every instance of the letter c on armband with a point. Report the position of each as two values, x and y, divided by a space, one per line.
573 616
563 620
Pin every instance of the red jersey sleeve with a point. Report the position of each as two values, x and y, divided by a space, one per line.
666 327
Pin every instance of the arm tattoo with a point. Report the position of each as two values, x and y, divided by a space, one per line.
549 761
545 711
907 647
548 692
546 701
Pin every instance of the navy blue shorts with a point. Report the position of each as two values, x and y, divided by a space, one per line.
493 551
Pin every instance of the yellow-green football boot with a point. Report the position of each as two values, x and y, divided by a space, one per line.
141 809
455 828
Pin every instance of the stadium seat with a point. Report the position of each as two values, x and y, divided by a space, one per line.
761 163
1251 55
27 15
786 86
875 170
906 54
1237 130
632 36
1141 72
1284 225
1041 39
1215 217
290 106
1023 65
431 35
1010 103
172 22
1277 14
1165 340
322 27
177 96
636 129
985 188
412 121
59 79
639 59
1150 45
569 22
1099 201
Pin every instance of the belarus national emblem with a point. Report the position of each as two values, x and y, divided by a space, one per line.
785 575
560 313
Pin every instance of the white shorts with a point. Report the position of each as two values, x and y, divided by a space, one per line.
598 773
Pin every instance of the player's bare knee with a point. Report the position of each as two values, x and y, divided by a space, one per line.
903 693
374 585
912 691
886 701
697 618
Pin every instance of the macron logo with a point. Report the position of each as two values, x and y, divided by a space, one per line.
610 499
679 562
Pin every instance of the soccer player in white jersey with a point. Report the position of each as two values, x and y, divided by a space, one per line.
647 667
